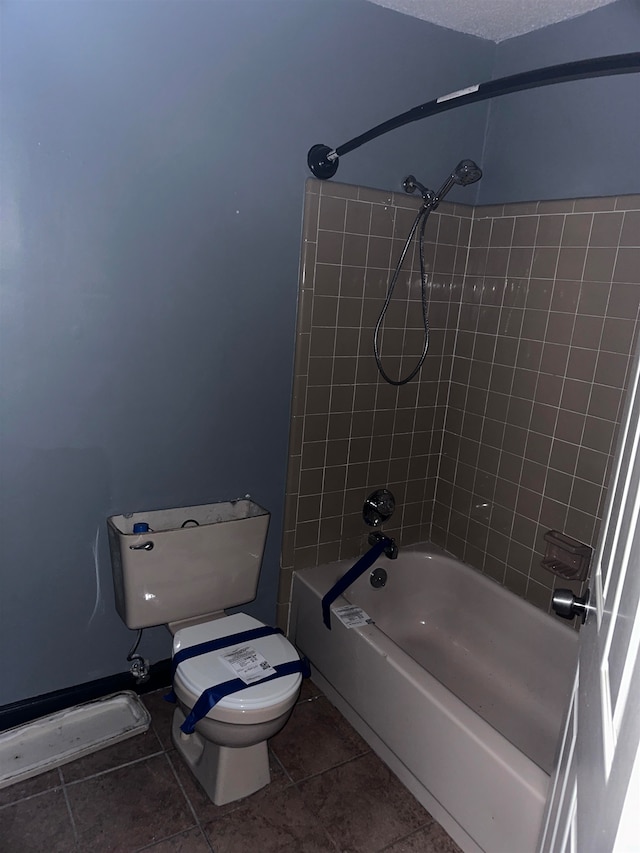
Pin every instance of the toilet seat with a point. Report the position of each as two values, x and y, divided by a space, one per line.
199 673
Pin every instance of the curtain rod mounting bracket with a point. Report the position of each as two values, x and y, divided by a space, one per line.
321 163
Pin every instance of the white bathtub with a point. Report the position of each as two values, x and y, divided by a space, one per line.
460 686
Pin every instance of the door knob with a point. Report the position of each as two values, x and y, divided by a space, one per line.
568 605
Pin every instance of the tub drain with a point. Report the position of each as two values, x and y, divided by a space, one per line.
378 578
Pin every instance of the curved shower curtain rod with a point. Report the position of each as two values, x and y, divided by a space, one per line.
323 161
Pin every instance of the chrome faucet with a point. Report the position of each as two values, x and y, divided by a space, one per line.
391 550
378 507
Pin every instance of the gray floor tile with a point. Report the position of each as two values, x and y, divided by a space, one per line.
35 785
130 807
37 824
333 796
430 839
277 823
132 749
161 715
363 806
316 738
191 841
203 807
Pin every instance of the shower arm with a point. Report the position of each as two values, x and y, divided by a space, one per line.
430 199
323 161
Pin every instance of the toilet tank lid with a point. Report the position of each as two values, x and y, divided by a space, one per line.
199 673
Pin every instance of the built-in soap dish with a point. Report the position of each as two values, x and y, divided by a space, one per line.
566 557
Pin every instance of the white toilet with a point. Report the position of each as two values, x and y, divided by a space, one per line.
185 570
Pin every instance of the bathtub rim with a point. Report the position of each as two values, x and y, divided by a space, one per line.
429 550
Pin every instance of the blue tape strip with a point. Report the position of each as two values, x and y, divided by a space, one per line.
213 695
349 577
214 646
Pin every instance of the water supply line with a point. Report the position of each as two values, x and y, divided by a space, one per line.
140 668
323 161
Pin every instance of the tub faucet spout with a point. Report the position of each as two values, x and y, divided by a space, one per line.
390 549
380 544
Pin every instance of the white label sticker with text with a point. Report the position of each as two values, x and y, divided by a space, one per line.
352 616
248 664
458 93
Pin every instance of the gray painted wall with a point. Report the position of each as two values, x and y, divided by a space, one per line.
575 139
153 167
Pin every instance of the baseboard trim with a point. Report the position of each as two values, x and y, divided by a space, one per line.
18 713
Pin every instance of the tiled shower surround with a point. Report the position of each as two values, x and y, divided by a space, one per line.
508 429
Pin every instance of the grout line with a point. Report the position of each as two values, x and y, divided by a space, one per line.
357 356
309 699
449 379
159 841
189 803
71 817
402 838
29 796
535 391
361 755
275 757
69 809
124 764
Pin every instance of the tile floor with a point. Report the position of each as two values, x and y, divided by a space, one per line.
328 793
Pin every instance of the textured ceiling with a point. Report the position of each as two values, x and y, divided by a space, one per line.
495 20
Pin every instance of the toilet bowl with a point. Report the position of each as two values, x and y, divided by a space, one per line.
227 752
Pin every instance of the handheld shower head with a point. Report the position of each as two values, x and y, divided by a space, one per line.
466 172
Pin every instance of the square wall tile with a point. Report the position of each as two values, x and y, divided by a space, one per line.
508 429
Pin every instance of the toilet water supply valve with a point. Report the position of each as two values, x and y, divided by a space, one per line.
140 667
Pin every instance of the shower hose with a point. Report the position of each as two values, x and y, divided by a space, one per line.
419 223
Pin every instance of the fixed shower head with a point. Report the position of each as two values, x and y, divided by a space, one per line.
466 172
411 184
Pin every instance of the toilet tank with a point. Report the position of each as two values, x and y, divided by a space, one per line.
193 560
